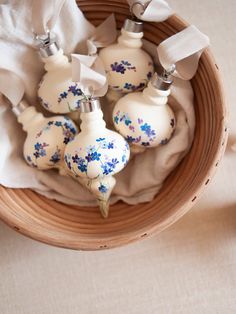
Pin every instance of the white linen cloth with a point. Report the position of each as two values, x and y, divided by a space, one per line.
19 57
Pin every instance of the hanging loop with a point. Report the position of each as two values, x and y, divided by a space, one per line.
136 3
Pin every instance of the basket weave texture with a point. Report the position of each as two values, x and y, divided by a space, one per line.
83 228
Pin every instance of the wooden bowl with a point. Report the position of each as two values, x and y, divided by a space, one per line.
83 228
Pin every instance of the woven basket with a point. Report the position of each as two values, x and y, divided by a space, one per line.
83 228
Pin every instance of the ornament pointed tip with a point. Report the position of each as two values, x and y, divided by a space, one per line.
104 208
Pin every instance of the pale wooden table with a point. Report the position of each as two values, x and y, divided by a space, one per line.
190 268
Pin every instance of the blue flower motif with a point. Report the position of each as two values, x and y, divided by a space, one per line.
75 90
63 95
116 119
30 161
123 158
100 139
110 145
109 166
66 140
118 67
130 139
146 128
70 127
37 146
81 163
50 122
43 152
39 150
102 188
82 167
75 158
58 123
67 160
56 157
126 63
93 156
128 86
126 119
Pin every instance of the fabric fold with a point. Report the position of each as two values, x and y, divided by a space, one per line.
88 71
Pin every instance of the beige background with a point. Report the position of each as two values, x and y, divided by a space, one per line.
190 268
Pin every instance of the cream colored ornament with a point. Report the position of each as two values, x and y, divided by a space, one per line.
46 137
128 66
96 154
57 92
144 118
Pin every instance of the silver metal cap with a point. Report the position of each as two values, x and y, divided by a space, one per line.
21 107
47 45
163 81
133 26
90 105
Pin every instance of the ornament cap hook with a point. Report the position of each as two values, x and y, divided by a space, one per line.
90 104
140 3
47 44
165 80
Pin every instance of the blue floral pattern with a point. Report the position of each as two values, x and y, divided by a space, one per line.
40 147
39 150
68 129
134 88
143 126
122 66
94 153
56 157
103 188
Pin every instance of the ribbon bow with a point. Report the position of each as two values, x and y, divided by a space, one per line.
150 10
184 51
104 35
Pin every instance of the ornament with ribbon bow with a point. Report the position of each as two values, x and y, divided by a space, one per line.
145 119
57 92
97 153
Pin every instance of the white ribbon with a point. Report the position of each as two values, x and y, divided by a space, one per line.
45 14
12 86
184 50
151 11
104 35
89 72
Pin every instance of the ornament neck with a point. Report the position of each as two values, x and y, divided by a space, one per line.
156 96
55 61
92 122
130 39
30 118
